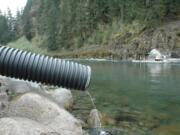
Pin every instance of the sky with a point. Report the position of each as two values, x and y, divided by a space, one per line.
12 4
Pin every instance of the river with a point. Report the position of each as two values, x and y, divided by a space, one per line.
150 88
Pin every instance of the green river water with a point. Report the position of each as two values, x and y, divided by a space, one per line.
149 88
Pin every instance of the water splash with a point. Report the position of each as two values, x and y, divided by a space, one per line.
103 133
156 54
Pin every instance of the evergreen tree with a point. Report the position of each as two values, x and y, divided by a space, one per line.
52 23
18 24
4 35
11 25
27 21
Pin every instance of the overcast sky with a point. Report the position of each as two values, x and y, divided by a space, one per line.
12 4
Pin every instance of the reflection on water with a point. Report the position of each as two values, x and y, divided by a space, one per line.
155 69
155 72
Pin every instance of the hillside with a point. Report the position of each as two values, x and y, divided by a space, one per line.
111 29
122 46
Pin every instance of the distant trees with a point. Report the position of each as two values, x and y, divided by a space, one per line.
73 21
7 27
3 30
27 21
68 23
52 24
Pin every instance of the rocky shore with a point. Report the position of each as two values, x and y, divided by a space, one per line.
28 108
31 109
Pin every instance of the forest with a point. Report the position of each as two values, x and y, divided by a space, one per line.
70 24
131 46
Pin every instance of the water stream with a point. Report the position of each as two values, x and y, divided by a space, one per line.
101 132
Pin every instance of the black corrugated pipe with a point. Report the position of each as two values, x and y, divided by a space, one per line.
43 69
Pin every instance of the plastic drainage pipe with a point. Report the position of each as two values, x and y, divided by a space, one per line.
43 69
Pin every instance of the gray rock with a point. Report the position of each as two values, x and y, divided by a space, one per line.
63 97
23 126
3 97
9 88
175 53
17 86
51 133
46 112
85 132
94 120
4 102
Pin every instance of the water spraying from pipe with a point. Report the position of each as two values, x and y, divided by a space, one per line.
101 131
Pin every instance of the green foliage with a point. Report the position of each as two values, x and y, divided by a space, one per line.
3 29
7 28
24 44
71 24
109 34
27 21
52 21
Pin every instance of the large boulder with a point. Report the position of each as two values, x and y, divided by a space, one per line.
46 112
10 87
23 126
63 97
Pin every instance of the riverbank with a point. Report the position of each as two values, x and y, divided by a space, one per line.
131 42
